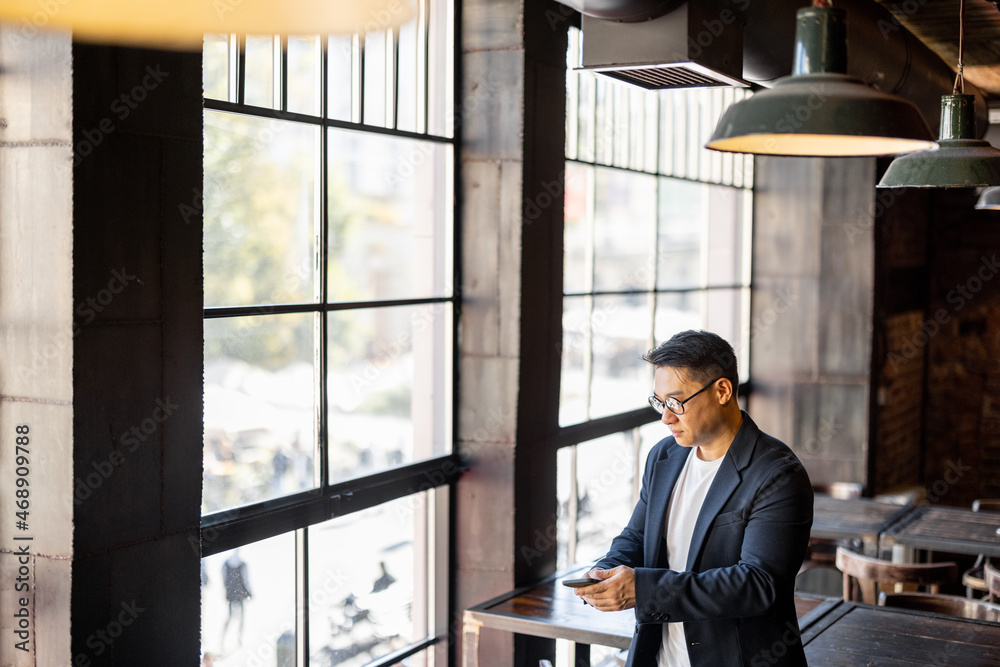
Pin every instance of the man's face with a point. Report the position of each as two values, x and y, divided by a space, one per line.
703 416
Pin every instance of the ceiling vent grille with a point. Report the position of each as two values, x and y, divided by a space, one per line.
697 45
660 77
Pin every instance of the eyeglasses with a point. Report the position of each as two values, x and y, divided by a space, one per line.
672 404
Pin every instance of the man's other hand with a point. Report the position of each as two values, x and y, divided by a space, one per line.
615 591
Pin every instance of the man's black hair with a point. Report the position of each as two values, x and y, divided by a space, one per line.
703 355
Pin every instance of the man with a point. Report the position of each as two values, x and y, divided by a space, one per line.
709 557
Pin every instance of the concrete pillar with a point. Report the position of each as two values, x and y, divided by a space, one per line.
511 122
36 339
137 359
811 315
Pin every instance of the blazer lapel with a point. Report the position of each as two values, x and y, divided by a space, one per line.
726 481
665 474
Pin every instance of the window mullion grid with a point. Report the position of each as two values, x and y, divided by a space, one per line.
280 51
393 85
241 69
302 597
423 75
588 354
323 272
573 511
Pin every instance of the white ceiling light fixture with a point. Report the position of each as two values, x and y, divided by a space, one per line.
182 24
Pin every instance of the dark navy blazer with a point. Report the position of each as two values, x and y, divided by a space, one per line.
735 596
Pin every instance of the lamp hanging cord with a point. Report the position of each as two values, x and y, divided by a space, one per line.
959 88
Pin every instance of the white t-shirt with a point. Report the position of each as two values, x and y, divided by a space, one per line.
685 503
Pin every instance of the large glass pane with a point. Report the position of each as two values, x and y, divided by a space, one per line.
259 409
574 385
677 311
621 330
408 78
578 239
248 604
586 147
368 583
649 435
376 72
566 497
725 316
260 57
605 470
624 230
389 384
341 50
390 217
441 68
260 210
303 74
679 237
726 241
215 73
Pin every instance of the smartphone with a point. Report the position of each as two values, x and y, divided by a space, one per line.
579 583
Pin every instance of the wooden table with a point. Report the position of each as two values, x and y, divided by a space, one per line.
947 529
549 609
853 634
854 518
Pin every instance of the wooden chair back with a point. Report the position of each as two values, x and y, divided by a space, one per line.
839 490
867 571
952 605
992 576
986 505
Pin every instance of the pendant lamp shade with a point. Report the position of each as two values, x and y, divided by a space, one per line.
958 161
182 24
989 200
820 110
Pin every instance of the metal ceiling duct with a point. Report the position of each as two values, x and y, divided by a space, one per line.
627 11
879 50
695 46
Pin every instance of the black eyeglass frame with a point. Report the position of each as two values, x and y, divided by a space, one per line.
658 405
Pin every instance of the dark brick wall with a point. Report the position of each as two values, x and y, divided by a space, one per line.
137 376
962 419
898 341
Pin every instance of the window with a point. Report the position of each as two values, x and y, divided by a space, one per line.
656 241
329 330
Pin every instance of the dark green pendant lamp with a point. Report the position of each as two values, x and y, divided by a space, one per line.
819 110
959 160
